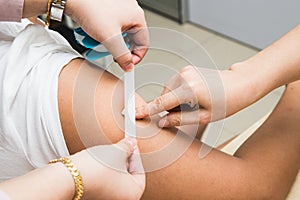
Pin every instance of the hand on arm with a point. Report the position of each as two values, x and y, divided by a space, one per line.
126 177
105 21
243 84
197 96
261 168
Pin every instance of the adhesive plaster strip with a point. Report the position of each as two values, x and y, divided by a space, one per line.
129 102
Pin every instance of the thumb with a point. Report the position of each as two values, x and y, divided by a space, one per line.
119 50
136 168
127 145
125 61
114 156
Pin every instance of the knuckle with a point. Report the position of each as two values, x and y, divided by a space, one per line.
141 11
157 105
175 120
235 66
125 59
204 118
187 87
186 68
185 73
158 102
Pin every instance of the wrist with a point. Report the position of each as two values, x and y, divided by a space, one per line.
261 78
85 165
68 163
34 8
242 87
65 185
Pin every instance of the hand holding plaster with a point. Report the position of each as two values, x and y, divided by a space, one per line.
106 20
112 171
194 96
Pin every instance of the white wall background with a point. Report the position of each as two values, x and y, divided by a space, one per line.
168 7
254 22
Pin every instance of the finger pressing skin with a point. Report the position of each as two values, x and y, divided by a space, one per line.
185 118
162 103
168 101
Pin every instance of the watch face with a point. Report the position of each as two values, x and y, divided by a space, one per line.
57 10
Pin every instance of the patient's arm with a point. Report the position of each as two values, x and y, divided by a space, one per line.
263 168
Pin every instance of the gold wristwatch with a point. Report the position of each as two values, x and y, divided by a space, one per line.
57 9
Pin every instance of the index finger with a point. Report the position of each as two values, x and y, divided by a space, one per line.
162 103
119 50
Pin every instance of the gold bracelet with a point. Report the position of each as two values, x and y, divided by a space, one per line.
75 174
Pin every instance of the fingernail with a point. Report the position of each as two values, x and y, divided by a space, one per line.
163 123
129 67
141 111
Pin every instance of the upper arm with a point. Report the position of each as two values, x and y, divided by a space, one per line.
90 105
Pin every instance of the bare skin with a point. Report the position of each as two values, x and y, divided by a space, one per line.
35 184
264 167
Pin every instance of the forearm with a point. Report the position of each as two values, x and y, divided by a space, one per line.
51 182
34 8
14 10
277 65
280 62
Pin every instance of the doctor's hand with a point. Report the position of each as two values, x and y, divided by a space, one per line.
106 20
199 96
111 171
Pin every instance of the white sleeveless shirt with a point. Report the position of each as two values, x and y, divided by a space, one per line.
31 59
